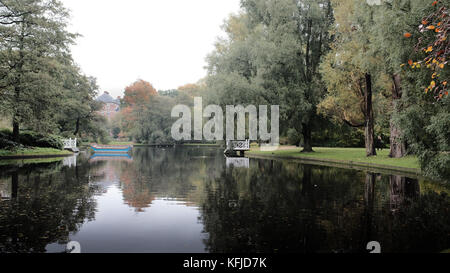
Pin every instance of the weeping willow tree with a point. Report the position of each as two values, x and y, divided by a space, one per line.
271 55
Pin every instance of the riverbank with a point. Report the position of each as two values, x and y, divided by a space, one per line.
33 153
344 156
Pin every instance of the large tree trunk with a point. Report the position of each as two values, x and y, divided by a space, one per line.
398 147
370 121
307 140
77 127
16 130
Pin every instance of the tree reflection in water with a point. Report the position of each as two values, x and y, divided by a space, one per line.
264 206
47 202
300 208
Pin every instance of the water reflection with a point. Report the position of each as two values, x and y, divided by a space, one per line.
47 202
196 200
238 162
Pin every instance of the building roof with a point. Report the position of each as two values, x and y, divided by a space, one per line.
106 98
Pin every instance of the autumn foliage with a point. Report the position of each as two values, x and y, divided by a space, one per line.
140 92
434 44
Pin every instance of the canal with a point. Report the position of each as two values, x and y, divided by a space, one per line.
190 199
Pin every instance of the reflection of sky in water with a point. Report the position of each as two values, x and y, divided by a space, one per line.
118 228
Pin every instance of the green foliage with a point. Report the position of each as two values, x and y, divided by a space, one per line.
30 139
41 88
271 56
425 123
116 132
423 120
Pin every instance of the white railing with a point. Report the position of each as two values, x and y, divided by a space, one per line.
70 143
238 145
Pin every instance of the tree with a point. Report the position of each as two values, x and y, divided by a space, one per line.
434 30
139 93
425 117
348 70
78 106
271 56
34 44
136 97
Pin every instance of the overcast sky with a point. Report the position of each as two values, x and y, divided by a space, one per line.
164 42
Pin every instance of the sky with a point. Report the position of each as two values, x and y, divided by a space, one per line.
164 42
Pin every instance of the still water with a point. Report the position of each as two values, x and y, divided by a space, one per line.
190 199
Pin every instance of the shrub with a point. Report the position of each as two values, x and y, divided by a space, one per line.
5 134
7 144
50 142
30 139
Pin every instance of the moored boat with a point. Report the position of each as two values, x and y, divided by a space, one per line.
111 148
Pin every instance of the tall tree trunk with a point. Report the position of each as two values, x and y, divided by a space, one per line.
16 130
307 140
398 147
370 121
77 126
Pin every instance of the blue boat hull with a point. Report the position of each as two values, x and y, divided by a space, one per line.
100 150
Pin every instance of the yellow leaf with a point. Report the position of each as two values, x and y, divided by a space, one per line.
429 49
442 66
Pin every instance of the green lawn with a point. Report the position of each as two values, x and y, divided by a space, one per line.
121 143
34 152
344 154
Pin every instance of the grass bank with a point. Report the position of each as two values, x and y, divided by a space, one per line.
32 152
352 156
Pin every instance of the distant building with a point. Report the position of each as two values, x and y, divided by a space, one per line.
111 106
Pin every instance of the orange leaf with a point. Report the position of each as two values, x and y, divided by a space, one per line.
407 35
410 62
431 27
425 22
446 93
434 3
